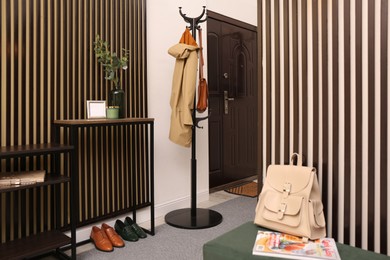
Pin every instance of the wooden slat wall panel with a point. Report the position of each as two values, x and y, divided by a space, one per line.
48 71
110 161
335 109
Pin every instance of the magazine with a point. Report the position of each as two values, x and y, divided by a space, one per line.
20 178
276 244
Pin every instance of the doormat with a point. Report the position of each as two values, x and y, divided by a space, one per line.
248 189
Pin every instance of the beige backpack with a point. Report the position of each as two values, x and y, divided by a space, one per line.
290 201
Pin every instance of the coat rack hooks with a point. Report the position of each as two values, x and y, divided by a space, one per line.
194 21
193 218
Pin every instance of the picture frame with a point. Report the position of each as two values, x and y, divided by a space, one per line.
96 109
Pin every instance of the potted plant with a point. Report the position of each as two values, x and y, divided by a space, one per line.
111 65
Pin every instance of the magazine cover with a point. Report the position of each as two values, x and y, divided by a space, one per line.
281 245
24 177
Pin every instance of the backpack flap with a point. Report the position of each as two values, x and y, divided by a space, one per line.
297 177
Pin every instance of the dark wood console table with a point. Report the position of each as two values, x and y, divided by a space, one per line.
119 178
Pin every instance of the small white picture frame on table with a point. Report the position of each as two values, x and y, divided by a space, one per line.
96 109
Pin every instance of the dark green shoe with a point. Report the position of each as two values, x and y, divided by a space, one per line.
139 231
126 232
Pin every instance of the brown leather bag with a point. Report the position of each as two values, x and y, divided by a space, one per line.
203 92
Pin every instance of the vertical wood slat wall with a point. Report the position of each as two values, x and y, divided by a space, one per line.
331 59
48 71
110 162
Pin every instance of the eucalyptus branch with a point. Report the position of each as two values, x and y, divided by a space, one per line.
110 61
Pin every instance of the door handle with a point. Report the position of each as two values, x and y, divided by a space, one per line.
226 99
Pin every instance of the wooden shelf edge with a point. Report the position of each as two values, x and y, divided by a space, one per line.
34 245
33 149
102 121
50 180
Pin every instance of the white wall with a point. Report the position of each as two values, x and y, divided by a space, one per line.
172 162
242 10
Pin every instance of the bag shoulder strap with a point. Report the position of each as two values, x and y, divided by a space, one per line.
201 61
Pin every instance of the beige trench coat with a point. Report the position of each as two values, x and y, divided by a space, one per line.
183 92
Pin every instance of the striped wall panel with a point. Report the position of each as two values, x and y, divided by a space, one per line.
48 72
323 71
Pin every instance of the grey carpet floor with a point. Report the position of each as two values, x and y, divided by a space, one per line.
170 243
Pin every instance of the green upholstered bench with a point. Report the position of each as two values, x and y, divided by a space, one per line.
238 244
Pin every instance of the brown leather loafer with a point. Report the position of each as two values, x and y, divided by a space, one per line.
100 239
115 239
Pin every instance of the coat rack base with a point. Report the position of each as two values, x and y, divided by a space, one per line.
189 219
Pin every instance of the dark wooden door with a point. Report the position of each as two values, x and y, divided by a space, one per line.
232 78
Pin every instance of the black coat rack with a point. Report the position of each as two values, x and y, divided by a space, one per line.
193 218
